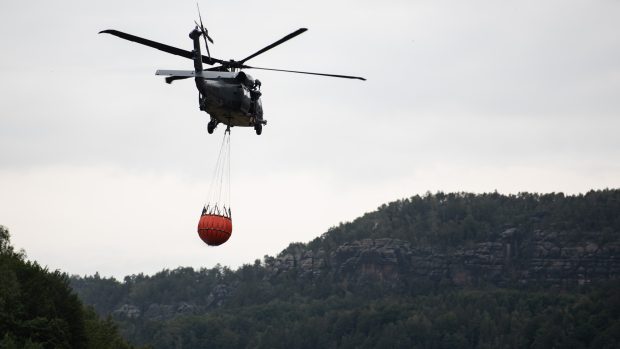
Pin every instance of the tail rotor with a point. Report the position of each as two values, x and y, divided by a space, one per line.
205 32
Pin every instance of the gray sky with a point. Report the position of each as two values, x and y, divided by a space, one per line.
104 167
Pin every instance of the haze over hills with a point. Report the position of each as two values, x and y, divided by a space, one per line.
454 270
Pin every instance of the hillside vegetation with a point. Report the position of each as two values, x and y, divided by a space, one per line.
435 271
450 220
38 309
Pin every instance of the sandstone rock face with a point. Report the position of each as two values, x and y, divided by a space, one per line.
128 311
514 258
158 311
385 260
544 258
218 295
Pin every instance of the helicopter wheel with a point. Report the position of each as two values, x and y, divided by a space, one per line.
258 128
211 127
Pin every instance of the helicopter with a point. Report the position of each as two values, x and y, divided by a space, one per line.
225 92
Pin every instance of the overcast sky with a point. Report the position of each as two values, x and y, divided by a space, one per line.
104 167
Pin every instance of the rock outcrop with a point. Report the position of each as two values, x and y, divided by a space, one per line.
545 258
513 259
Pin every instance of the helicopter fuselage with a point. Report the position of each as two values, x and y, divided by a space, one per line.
232 98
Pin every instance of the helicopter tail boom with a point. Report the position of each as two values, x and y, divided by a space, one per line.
197 57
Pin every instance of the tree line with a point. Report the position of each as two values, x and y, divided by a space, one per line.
38 308
445 220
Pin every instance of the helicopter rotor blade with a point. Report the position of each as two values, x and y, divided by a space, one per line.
205 32
207 46
202 27
150 43
269 47
160 46
204 37
309 73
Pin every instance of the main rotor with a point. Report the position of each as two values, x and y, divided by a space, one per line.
220 64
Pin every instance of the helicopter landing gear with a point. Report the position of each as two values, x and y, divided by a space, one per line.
258 124
211 126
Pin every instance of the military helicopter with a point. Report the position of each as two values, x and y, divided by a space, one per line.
229 95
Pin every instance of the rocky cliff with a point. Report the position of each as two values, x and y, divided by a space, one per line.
544 259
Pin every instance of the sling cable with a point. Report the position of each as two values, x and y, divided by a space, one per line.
215 224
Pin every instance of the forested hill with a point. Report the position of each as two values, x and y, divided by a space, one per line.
446 221
441 270
39 310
